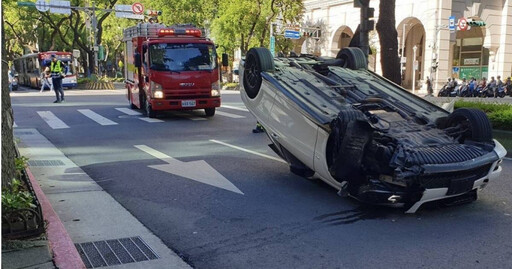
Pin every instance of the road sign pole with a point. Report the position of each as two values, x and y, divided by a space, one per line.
272 40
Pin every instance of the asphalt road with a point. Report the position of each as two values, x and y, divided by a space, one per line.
265 217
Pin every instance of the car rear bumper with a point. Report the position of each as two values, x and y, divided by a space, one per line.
176 104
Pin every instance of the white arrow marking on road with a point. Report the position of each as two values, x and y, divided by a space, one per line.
236 108
199 171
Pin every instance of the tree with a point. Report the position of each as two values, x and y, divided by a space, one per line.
388 37
8 149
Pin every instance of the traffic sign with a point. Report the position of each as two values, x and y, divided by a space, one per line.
451 24
273 46
463 24
42 5
138 8
291 34
125 11
26 4
60 7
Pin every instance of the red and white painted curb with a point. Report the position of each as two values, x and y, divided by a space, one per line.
65 254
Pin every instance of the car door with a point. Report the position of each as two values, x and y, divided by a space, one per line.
292 129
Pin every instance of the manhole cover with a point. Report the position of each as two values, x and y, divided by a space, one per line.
115 252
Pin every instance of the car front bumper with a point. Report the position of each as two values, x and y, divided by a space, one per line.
434 194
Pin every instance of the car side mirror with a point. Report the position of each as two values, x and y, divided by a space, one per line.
136 60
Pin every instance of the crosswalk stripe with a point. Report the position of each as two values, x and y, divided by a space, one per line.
52 120
189 116
128 111
236 108
150 120
14 125
96 117
225 114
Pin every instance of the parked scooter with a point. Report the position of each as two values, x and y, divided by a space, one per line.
501 92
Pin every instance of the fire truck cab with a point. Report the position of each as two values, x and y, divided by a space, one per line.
170 68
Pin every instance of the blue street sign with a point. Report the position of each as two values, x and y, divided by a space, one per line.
273 46
452 25
291 34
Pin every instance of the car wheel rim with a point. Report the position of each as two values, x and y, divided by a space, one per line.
253 72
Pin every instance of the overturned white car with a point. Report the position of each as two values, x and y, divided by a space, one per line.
364 135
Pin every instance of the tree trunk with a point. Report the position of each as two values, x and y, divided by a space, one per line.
8 149
388 37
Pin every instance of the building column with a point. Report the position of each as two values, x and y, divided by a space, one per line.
503 60
442 39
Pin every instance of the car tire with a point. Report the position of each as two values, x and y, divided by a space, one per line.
209 111
148 109
257 60
353 58
478 126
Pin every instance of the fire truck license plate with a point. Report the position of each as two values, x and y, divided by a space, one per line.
188 103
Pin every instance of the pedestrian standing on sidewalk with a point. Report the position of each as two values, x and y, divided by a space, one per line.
45 79
430 91
57 70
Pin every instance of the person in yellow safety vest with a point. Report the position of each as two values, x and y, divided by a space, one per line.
57 73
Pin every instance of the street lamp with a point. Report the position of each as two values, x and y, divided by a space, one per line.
414 68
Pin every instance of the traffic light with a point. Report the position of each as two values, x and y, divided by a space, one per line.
153 13
368 24
476 23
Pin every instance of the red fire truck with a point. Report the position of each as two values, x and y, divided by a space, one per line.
170 68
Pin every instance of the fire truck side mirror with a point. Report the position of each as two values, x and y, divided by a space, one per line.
225 59
136 60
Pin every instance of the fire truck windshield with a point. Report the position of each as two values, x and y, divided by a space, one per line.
182 57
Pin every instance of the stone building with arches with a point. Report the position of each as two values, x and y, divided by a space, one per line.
423 24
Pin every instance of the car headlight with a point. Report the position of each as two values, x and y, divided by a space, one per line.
156 89
215 88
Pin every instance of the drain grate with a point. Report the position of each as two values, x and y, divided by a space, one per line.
115 252
45 163
22 133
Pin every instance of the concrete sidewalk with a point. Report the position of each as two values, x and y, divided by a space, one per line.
105 233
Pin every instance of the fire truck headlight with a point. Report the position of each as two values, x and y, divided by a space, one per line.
158 94
215 88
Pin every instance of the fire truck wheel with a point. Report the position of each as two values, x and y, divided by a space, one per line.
209 112
257 60
353 58
149 110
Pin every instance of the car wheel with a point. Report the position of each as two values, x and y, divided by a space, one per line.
348 139
257 60
209 112
474 124
148 109
353 58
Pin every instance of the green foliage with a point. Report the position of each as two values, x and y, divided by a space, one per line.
500 115
15 197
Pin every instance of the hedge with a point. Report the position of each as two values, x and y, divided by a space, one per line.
500 115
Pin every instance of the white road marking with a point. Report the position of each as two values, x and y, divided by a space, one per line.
151 120
189 116
52 120
507 158
96 117
248 151
128 111
236 108
199 171
225 114
14 125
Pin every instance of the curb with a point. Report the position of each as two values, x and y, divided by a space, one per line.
65 254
